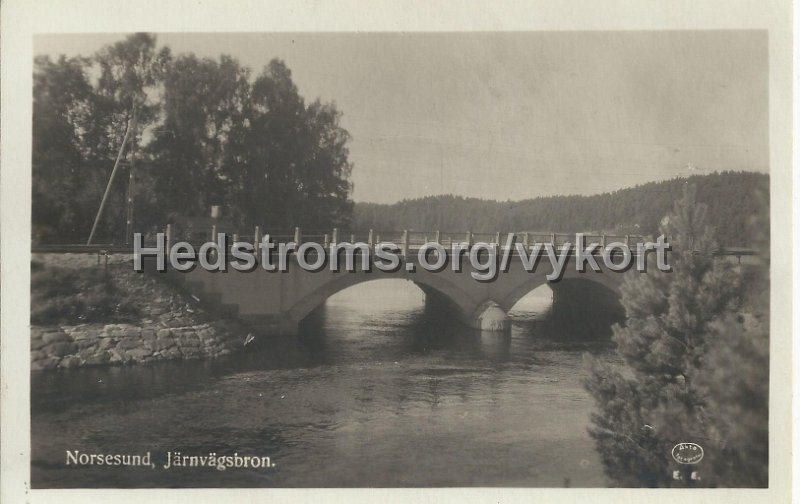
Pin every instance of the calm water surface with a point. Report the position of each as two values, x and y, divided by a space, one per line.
375 392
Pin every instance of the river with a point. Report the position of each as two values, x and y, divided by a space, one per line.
376 391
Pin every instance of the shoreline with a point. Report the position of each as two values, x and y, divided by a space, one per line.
101 344
161 323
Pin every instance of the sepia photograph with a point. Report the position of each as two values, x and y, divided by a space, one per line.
402 259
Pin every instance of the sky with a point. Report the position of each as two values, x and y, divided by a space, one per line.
516 115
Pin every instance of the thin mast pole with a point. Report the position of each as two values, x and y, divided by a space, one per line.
131 125
131 190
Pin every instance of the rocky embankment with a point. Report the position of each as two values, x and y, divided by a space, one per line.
167 325
98 344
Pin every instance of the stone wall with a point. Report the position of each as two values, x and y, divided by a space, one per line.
102 344
169 324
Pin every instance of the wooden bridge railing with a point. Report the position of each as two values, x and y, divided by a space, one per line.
407 240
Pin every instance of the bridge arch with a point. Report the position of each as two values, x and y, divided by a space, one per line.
457 299
574 291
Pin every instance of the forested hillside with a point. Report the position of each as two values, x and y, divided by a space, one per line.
732 198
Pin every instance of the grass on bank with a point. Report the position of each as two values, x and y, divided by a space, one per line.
64 295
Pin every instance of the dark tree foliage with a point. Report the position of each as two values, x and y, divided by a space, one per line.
730 196
130 73
693 367
736 378
205 134
203 102
290 166
63 105
78 127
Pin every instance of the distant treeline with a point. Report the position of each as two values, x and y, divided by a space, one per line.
732 199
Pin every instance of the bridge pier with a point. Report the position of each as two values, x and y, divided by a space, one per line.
492 318
487 317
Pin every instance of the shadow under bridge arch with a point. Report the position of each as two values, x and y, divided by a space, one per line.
440 293
576 297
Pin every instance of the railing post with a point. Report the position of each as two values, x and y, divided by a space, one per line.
525 240
370 243
628 241
256 239
335 236
168 237
352 238
377 239
469 239
603 241
436 237
298 235
325 241
405 242
553 239
214 239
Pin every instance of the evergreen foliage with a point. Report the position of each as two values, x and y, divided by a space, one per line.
693 367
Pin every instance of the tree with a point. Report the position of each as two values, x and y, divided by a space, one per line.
63 105
204 105
678 338
130 71
208 135
736 383
289 164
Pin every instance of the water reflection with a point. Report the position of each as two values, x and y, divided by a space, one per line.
375 391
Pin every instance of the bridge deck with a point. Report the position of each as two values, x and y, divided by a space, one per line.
412 250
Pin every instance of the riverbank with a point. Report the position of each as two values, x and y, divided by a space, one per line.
87 313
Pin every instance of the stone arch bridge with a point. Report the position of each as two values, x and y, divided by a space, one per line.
276 302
